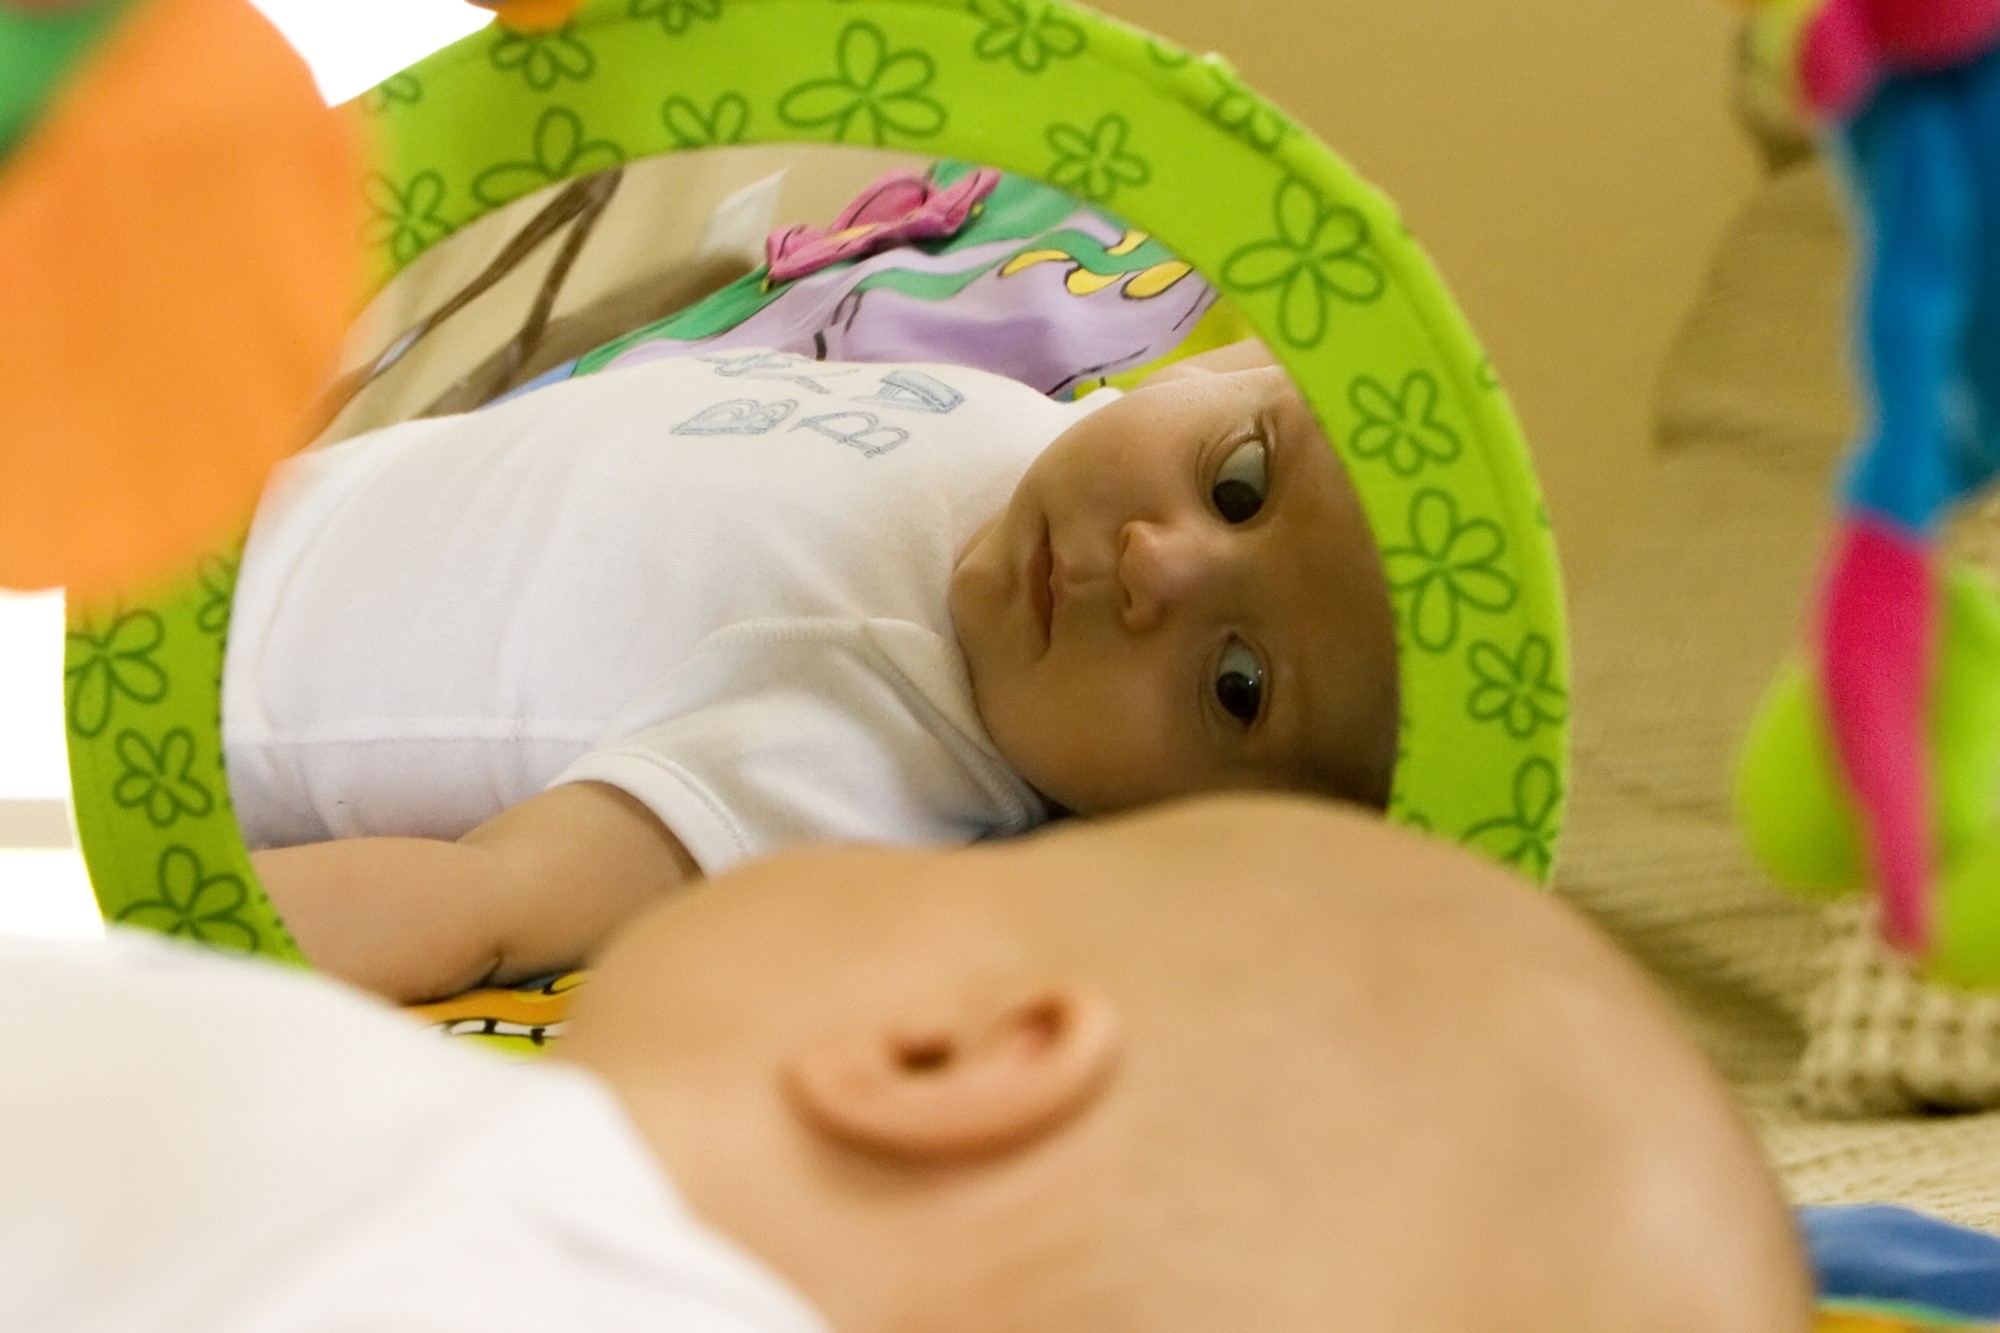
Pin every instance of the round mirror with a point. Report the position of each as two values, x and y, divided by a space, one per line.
1179 195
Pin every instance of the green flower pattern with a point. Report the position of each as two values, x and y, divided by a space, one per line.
1400 809
1241 111
1520 692
103 666
561 150
397 90
1525 837
1447 565
159 780
725 122
217 576
406 219
1321 252
1401 426
677 16
876 91
194 904
1031 33
1093 163
544 59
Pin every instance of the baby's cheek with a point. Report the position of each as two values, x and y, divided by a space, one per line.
1024 717
1050 736
1135 746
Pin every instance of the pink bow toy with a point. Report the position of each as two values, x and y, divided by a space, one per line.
898 208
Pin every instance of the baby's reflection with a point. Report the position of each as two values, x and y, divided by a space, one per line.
496 681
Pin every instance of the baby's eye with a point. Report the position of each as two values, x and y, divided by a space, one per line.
1240 482
1239 682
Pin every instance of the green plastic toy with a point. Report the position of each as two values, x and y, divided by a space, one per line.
1801 820
1315 258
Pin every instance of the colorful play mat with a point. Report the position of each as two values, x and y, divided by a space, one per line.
1173 144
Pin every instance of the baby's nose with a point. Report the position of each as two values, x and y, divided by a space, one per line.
1163 566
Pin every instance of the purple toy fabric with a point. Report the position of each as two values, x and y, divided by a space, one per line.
1033 285
1037 288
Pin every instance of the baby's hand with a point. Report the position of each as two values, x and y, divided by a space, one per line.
534 890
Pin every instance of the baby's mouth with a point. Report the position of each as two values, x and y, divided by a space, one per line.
1039 583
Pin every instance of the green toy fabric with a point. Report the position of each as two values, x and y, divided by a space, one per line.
38 52
1176 145
1803 825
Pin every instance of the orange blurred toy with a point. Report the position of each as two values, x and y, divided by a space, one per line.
179 256
532 15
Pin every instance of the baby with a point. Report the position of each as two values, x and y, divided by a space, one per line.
495 682
1247 1062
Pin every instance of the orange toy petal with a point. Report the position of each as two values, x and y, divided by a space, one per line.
532 15
179 257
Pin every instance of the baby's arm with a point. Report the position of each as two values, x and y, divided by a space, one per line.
533 890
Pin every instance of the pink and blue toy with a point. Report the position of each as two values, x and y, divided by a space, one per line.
1909 94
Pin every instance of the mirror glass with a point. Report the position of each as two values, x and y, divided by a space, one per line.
977 507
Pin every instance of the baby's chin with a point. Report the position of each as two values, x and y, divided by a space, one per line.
975 598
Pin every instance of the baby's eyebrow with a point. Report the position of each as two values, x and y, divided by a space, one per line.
1284 442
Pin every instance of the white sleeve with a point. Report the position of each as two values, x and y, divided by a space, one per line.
777 733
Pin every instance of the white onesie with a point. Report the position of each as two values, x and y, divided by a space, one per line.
203 1144
716 583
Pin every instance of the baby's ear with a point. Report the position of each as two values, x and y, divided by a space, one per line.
942 1084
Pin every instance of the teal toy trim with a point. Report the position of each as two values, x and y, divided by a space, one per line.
38 53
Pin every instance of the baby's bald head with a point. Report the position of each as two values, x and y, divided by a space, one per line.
1243 1062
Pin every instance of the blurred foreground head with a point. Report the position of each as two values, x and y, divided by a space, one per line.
1240 1063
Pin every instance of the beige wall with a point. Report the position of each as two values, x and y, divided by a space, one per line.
1569 173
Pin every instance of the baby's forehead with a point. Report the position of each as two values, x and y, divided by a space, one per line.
1288 402
1266 394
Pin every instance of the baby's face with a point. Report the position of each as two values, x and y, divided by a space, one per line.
1181 595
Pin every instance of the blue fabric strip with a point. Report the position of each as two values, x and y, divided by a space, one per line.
1878 1253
